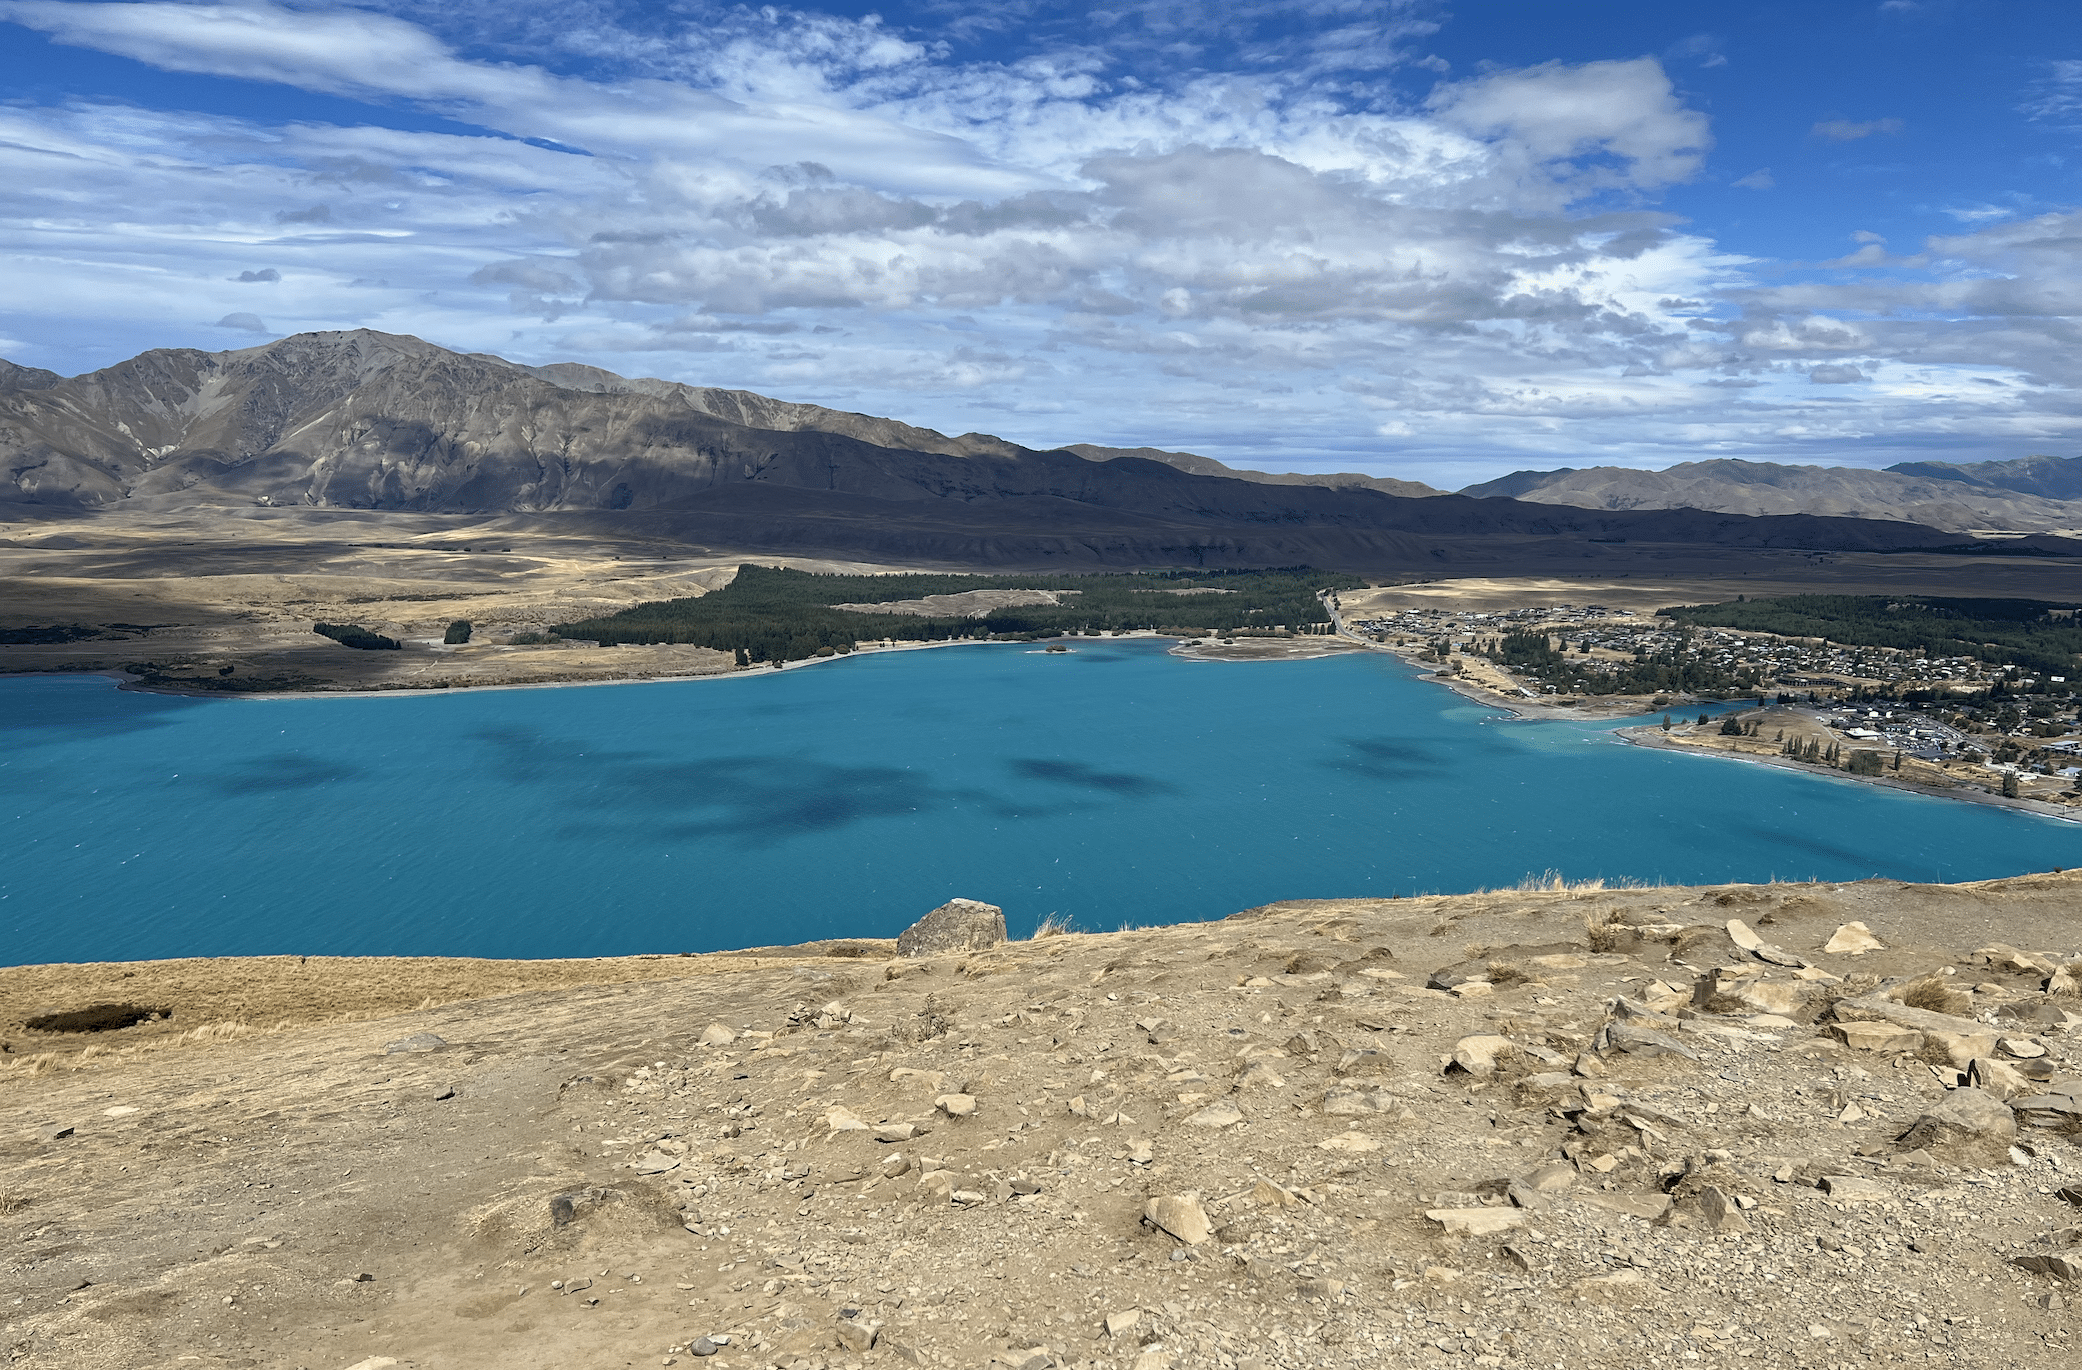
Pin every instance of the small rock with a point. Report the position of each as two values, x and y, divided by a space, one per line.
1181 1215
1998 1078
1640 1041
839 1119
1121 1323
858 1334
1477 1222
1221 1113
1852 939
1649 1207
418 1041
895 1132
956 1105
1350 1142
957 925
442 1092
2066 1267
654 1163
1259 1075
2022 1048
715 1035
51 1132
1877 1036
1321 1287
1356 1103
1479 1055
702 1346
1855 1189
1710 1208
1363 1062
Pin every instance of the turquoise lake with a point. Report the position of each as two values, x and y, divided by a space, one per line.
1117 784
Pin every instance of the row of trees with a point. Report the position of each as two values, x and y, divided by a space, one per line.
769 614
356 636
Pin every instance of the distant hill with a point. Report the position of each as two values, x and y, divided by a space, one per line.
2046 477
1957 498
362 420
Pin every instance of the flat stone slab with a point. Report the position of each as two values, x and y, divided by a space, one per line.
1477 1222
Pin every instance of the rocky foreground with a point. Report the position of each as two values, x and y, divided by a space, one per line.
1786 1125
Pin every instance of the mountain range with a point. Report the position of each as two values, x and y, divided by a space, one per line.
2034 494
361 420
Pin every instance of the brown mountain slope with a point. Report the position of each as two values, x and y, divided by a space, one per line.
1749 487
369 421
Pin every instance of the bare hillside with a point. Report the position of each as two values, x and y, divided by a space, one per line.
1750 487
1588 1127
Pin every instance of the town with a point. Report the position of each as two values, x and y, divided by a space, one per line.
1942 722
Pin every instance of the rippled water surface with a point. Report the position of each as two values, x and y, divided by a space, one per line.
1115 784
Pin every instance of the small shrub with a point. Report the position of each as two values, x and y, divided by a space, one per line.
11 1204
1937 995
458 633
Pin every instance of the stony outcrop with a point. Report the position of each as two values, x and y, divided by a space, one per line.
957 925
1254 1142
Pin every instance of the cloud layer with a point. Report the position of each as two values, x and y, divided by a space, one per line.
1252 247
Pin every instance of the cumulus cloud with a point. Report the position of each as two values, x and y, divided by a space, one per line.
1251 248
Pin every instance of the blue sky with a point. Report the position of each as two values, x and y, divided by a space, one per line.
1427 240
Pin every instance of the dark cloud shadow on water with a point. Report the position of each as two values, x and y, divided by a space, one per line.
1081 776
1393 758
752 800
282 773
1794 840
63 716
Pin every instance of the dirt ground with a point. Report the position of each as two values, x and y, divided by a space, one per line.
1836 573
1573 1126
195 594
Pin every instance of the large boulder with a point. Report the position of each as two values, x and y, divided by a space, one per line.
957 925
1747 990
1968 1127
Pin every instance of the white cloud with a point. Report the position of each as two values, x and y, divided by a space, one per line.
1760 179
1245 261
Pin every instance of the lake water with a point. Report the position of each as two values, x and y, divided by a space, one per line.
1117 784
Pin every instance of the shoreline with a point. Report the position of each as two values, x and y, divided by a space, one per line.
128 683
1653 739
